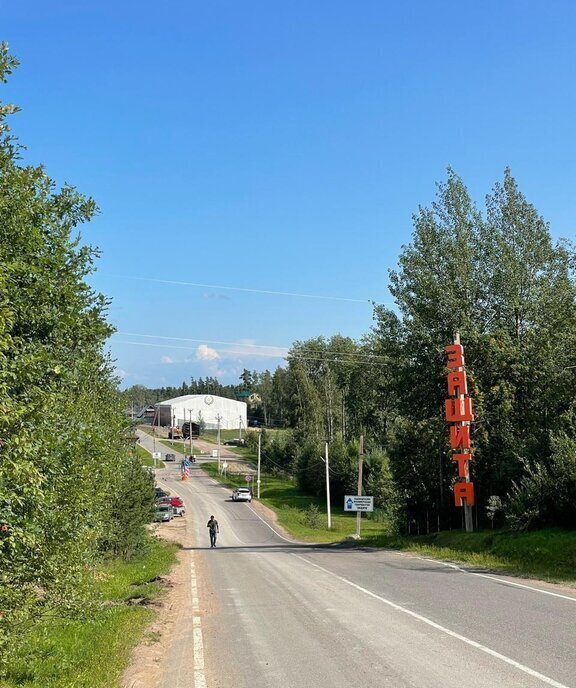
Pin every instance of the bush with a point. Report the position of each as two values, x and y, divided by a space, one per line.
312 517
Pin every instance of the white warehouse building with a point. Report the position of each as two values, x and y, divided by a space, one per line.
205 408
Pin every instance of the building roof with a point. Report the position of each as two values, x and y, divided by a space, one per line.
194 397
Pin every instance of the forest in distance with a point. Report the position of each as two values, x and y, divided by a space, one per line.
495 275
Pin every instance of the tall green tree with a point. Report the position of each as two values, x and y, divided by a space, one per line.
501 282
62 446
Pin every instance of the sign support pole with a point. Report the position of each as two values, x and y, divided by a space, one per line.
258 477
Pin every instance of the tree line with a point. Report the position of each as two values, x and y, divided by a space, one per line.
71 491
495 275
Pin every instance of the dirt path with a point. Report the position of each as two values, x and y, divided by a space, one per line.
146 670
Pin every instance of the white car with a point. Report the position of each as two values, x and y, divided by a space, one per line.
242 494
164 513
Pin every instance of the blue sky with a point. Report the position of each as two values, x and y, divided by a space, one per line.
280 147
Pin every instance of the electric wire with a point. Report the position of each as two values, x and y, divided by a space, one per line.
249 290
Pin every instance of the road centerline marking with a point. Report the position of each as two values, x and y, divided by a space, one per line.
473 643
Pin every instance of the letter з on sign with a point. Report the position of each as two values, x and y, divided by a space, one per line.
455 355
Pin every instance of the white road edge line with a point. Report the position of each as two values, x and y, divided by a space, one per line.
500 580
443 629
292 542
199 675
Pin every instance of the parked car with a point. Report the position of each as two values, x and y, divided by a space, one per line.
242 494
179 510
160 492
170 457
164 500
164 512
235 442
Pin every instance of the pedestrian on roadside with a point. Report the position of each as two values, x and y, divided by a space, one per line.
212 526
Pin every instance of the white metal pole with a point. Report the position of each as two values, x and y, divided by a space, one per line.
258 476
191 444
218 419
360 462
328 491
240 429
154 437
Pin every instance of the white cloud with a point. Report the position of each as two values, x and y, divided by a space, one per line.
205 353
167 359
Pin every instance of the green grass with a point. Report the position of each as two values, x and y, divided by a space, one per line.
146 457
546 554
94 653
293 508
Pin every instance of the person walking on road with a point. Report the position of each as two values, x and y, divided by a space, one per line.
214 530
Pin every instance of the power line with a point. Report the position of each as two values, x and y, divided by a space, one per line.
292 357
328 356
201 341
250 290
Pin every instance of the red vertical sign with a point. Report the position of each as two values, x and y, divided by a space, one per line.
458 410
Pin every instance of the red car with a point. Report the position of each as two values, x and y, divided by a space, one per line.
176 501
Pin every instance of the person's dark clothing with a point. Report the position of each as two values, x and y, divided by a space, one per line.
212 526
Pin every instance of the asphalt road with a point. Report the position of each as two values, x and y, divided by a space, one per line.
271 613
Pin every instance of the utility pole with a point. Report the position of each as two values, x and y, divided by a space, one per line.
328 489
258 476
360 466
154 436
191 445
218 418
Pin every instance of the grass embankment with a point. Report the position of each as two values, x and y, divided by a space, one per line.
546 554
302 515
146 458
94 653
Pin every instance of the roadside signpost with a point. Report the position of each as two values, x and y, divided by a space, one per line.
156 456
248 478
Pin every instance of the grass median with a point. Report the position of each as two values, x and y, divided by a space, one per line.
93 653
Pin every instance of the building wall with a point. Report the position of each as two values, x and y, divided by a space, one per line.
232 413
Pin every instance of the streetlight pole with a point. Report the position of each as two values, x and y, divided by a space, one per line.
218 418
154 437
191 445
